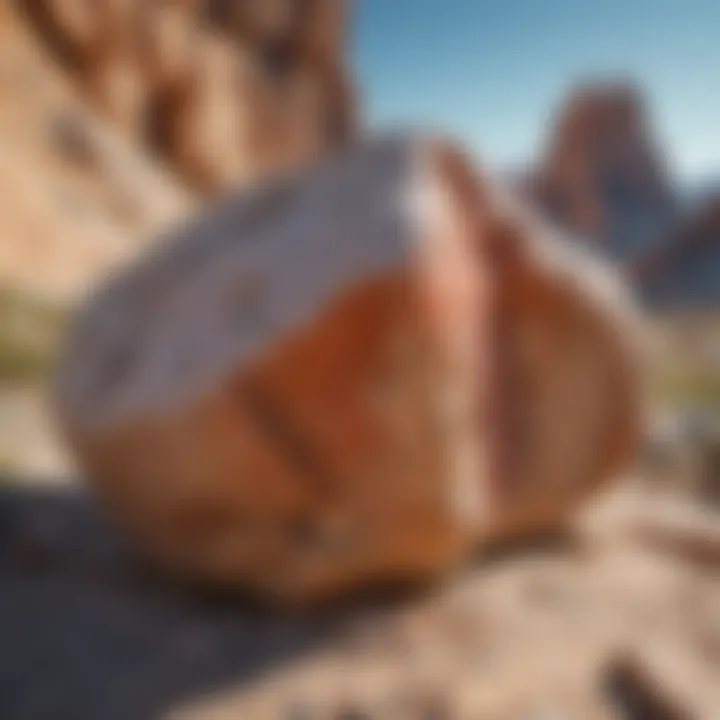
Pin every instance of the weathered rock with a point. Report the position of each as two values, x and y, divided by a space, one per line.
315 28
224 92
681 270
286 397
76 198
349 377
603 175
568 356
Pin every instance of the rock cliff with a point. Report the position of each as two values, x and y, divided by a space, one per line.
224 92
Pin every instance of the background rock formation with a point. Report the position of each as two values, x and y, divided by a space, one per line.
603 176
117 116
682 269
604 179
224 91
76 199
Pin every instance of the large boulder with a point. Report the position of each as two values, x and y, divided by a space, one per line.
350 376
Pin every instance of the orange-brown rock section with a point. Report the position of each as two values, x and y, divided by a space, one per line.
225 92
355 375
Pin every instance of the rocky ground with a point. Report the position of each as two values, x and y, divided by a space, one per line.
619 619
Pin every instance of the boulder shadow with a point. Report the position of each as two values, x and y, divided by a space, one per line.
88 632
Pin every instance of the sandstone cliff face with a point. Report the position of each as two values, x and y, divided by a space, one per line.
114 114
75 199
603 176
225 92
358 374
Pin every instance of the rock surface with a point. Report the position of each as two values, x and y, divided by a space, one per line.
88 634
569 353
681 270
75 199
225 92
603 175
351 376
605 179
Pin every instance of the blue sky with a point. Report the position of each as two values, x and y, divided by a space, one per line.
493 71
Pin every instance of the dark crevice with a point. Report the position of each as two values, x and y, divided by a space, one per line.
40 17
162 110
638 696
285 436
508 424
277 58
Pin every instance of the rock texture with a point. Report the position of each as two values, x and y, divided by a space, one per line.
536 635
225 92
75 199
603 175
681 270
568 353
604 179
351 376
